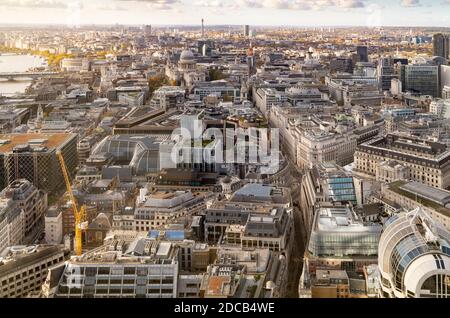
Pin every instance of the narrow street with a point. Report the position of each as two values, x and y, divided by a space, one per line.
296 263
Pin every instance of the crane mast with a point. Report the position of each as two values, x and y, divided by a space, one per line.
78 214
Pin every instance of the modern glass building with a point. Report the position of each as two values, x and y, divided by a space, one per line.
337 233
422 77
341 189
414 257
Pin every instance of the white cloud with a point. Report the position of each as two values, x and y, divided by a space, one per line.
410 3
283 4
157 4
56 4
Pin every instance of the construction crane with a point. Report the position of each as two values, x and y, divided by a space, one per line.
79 214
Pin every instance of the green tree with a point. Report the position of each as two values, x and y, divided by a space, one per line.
156 82
215 75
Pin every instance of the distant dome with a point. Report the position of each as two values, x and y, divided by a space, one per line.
186 56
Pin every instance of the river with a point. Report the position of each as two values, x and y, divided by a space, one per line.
17 63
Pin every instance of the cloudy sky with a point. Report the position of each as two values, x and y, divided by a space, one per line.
254 12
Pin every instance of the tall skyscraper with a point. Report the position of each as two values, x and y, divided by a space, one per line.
385 73
441 45
203 28
246 30
421 79
362 54
148 30
251 61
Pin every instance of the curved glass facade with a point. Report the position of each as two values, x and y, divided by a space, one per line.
122 150
412 258
402 256
140 153
436 286
145 161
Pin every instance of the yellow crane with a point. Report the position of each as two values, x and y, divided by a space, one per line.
79 215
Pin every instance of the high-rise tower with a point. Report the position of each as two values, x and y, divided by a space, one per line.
441 45
203 28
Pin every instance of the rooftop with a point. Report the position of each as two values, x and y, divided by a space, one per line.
439 196
259 192
341 219
423 195
50 141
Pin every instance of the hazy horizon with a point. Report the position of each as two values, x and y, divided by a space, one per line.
289 13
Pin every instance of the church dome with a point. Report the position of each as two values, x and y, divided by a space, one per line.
186 56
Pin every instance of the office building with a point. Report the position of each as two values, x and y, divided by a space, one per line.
362 54
257 217
414 257
168 97
33 202
390 171
341 64
220 88
33 157
421 78
160 208
246 30
326 183
341 240
386 73
266 98
127 266
428 162
315 147
445 81
12 224
396 87
354 90
23 269
441 107
441 45
411 194
148 30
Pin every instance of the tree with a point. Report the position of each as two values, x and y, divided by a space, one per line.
156 82
215 75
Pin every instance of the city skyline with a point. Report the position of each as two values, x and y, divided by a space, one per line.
239 151
379 13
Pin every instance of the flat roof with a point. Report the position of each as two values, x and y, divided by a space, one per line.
216 285
341 219
398 187
51 141
434 194
257 190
